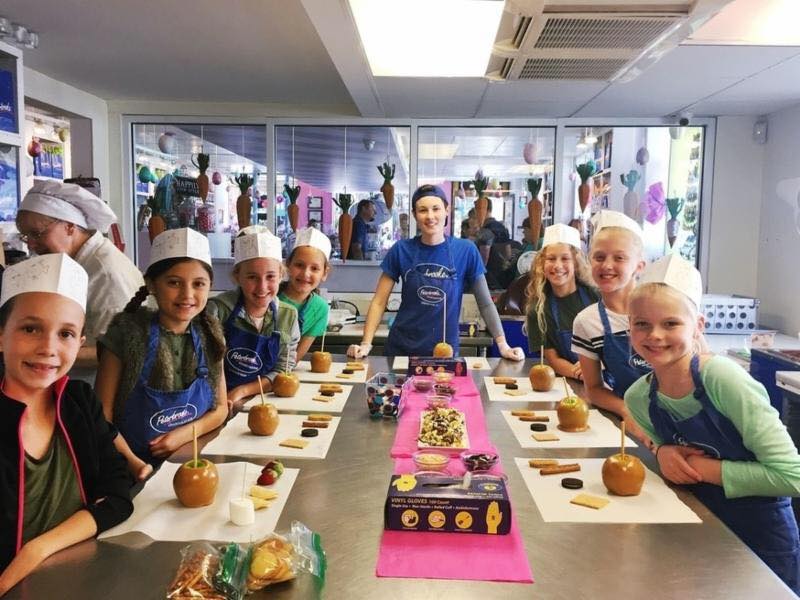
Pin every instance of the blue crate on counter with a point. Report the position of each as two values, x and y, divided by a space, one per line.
383 395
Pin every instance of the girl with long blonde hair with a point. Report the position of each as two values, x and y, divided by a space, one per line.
560 286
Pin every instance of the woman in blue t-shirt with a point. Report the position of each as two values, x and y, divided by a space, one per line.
435 270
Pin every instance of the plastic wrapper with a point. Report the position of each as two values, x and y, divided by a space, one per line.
195 576
278 558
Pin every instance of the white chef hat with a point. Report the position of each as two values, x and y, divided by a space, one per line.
54 273
180 243
612 218
561 234
68 202
677 273
259 244
310 236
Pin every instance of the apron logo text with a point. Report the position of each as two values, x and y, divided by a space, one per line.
244 359
170 418
638 362
434 271
430 295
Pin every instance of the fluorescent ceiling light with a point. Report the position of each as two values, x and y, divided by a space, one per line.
427 38
437 151
744 23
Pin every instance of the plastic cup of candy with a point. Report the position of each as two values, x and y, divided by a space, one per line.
444 389
443 377
478 461
422 384
426 460
438 401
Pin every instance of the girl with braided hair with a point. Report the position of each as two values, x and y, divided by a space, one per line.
161 371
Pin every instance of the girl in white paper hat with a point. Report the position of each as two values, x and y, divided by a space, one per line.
600 335
261 333
61 479
308 266
160 371
559 287
713 424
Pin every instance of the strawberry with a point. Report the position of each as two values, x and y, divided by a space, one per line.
267 478
274 465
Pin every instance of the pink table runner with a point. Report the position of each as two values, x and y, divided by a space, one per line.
467 400
421 554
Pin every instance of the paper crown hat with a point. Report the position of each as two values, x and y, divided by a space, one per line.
53 273
310 236
257 242
677 273
612 218
562 234
68 202
180 243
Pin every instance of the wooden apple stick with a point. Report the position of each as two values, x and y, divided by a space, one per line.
541 356
261 388
444 320
287 360
622 438
322 345
244 480
194 444
566 387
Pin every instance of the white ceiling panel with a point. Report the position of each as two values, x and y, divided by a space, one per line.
422 96
237 50
682 78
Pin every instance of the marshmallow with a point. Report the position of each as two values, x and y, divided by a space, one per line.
180 243
677 273
53 273
314 238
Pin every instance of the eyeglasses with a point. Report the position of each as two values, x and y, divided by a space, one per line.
35 236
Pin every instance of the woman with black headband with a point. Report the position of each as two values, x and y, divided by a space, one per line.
436 271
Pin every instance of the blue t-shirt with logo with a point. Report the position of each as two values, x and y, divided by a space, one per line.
462 257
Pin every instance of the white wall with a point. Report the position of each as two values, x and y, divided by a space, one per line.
736 210
779 239
70 99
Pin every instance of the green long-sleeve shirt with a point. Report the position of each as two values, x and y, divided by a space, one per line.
222 305
776 468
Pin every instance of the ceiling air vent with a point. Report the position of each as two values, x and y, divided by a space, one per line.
630 32
597 45
570 68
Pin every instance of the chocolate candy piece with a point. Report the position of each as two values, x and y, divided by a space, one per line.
347 371
309 433
327 393
538 427
512 386
572 483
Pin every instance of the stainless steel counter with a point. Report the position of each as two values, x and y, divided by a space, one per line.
342 499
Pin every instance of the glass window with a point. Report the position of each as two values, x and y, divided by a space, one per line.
166 165
514 161
652 174
365 164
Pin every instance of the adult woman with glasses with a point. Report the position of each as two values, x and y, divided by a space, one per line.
64 217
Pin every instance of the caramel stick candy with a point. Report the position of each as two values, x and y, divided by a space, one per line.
504 380
356 366
555 470
538 463
343 376
535 419
330 387
319 417
317 424
523 413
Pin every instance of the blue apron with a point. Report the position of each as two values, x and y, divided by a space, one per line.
622 364
767 525
249 354
150 412
564 336
418 325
